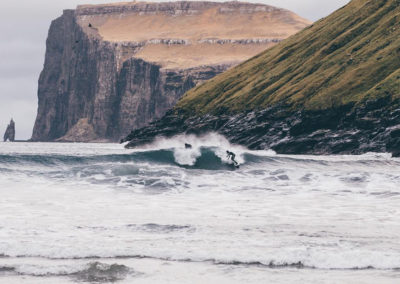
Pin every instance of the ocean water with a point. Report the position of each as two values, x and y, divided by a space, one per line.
98 213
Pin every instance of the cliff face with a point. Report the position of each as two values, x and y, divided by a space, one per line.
113 68
9 135
77 80
332 88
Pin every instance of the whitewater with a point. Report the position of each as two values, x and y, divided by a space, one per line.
99 213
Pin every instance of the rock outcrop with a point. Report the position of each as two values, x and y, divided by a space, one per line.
9 135
81 131
113 68
374 127
333 88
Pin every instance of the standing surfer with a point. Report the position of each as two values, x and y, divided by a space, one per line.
231 156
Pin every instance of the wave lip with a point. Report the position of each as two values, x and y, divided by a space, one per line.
95 268
205 158
157 228
103 273
93 272
7 269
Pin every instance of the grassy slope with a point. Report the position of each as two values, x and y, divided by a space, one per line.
351 56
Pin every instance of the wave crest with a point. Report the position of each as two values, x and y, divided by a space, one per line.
100 272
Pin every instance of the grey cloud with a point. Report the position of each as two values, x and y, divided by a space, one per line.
310 9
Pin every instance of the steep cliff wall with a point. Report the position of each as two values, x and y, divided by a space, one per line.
113 68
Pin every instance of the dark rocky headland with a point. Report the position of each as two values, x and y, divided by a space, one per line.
374 127
333 88
116 67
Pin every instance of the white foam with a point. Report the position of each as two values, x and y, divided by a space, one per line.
186 157
148 271
336 212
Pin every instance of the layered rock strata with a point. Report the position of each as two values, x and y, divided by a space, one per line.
113 68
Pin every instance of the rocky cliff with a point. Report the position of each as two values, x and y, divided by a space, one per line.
113 68
9 135
333 88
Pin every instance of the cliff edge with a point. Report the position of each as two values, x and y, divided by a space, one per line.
113 68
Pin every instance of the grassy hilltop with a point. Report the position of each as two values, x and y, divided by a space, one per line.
351 56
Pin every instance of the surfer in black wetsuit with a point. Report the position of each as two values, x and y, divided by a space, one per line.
231 156
188 146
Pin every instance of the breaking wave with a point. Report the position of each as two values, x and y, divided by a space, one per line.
93 272
92 269
102 213
100 272
205 158
207 153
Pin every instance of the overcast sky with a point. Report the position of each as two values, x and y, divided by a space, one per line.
23 31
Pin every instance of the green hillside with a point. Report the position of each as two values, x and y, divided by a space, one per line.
351 56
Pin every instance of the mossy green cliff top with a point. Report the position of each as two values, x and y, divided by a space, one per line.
351 56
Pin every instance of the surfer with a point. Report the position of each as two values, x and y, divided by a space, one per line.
231 156
188 146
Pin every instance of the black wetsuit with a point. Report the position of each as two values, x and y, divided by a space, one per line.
188 146
232 157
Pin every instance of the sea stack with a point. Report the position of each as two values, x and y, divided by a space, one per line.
113 68
9 135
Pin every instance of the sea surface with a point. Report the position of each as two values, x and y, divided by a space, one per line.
99 213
